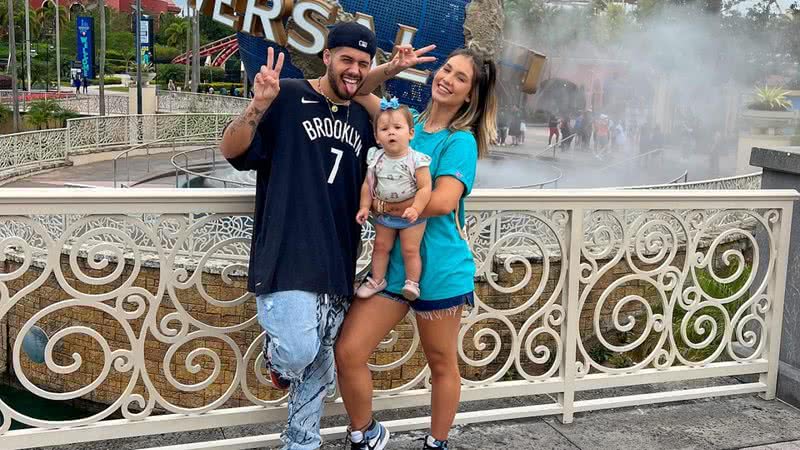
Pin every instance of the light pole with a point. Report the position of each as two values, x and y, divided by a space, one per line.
28 44
58 48
102 76
138 37
195 51
12 62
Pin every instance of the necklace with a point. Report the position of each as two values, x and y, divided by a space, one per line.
333 106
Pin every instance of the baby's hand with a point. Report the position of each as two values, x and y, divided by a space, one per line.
410 214
362 216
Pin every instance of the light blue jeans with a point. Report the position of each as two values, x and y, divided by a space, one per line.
301 330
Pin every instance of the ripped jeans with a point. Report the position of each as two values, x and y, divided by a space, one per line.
301 331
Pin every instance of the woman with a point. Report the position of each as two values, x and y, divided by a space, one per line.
454 130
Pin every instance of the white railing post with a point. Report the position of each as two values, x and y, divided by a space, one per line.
569 300
776 289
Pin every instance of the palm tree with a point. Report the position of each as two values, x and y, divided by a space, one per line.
177 34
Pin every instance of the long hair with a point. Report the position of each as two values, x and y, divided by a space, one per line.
480 114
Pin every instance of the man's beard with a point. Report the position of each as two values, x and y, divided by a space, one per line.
334 79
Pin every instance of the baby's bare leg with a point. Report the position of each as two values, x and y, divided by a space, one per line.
410 240
384 241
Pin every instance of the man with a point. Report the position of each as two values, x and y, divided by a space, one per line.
308 143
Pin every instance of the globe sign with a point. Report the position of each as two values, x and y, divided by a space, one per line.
437 22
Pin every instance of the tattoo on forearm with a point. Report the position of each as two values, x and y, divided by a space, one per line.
249 120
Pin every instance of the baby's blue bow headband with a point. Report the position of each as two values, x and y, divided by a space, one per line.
389 104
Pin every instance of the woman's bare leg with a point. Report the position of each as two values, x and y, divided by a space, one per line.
439 336
367 322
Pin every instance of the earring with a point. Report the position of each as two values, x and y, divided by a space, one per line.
467 100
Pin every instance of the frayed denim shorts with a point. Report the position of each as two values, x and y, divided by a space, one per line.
433 308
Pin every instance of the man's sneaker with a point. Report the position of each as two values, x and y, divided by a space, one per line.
375 438
278 381
370 287
411 290
432 444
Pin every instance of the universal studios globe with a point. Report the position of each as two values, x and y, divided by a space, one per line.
439 22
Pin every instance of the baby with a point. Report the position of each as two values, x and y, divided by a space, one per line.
395 173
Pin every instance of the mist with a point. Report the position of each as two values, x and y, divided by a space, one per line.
681 70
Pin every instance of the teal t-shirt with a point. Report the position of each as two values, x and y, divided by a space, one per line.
448 269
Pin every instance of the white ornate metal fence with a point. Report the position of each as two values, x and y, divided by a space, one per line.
170 101
677 285
112 131
32 147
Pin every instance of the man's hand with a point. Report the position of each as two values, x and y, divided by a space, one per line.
406 57
266 84
411 214
362 216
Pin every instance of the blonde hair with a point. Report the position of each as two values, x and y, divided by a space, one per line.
480 114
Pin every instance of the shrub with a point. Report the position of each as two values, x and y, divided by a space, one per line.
165 54
165 72
42 112
770 99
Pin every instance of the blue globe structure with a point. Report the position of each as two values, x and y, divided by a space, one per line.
438 22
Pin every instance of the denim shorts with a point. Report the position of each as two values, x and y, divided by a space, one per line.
429 306
396 223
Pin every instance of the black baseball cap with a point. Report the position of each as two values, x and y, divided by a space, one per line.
353 35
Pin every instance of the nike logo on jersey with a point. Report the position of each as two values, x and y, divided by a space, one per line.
304 101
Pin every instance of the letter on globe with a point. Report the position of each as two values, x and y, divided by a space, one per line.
309 32
262 20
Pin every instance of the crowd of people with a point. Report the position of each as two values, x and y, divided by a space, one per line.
511 126
583 130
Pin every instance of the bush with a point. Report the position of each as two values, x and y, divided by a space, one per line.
165 54
42 112
770 99
211 74
108 80
165 72
203 87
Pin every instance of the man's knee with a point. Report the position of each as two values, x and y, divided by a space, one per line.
290 355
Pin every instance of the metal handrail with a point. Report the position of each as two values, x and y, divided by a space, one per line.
187 172
146 146
541 185
693 183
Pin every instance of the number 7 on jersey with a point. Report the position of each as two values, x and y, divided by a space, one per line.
335 169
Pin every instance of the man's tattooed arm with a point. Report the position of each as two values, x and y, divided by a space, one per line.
239 133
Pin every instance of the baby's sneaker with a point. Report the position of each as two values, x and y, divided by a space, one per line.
411 290
370 287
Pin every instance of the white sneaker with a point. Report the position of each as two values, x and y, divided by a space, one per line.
375 438
369 288
411 290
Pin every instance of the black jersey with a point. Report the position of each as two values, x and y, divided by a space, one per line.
310 164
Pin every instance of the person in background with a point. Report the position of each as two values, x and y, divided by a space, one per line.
552 124
566 132
502 127
171 85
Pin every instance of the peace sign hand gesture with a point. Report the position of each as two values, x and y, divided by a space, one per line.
266 84
406 57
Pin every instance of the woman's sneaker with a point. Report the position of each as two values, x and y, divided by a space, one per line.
433 444
411 290
370 287
375 438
